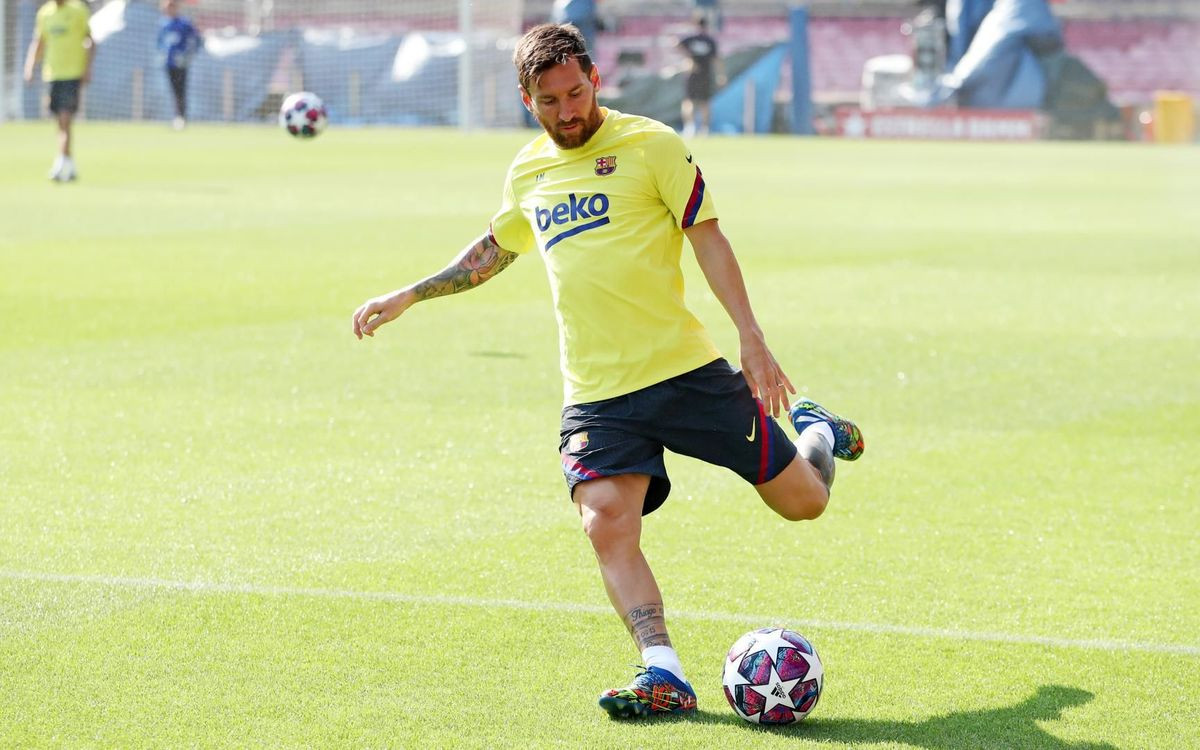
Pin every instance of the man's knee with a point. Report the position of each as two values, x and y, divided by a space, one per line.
611 508
600 516
806 507
799 492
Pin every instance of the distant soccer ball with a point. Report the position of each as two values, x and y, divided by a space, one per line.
773 676
303 115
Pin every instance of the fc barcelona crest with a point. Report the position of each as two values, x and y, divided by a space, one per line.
606 165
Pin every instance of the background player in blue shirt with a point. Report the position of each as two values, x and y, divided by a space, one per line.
178 41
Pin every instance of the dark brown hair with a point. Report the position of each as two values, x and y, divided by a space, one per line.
548 45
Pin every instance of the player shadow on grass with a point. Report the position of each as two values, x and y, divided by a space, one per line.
1014 726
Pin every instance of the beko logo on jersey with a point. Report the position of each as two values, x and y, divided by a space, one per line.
575 208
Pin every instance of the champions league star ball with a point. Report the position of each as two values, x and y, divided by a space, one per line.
303 115
773 676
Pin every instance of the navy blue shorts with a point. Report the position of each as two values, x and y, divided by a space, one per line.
708 413
64 96
699 87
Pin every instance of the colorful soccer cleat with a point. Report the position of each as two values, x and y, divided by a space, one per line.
653 691
847 438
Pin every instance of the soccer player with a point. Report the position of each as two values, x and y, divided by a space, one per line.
61 33
606 199
705 74
178 42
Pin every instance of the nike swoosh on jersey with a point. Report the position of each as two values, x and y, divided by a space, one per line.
753 428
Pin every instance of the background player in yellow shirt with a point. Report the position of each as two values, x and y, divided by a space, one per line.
61 36
606 199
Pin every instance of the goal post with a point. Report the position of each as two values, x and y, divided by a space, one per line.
802 105
464 65
4 63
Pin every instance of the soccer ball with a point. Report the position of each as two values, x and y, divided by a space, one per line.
303 115
772 676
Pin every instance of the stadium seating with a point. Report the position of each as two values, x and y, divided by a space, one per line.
1136 48
1135 57
839 46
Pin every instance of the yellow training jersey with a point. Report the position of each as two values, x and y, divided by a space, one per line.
608 219
63 29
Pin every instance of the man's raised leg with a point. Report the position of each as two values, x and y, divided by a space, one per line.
801 491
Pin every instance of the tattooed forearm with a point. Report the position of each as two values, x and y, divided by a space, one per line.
475 265
647 625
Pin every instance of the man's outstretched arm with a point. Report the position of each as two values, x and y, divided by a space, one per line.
479 262
36 47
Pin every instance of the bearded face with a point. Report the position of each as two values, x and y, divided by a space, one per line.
563 100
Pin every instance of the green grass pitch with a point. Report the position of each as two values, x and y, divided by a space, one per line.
226 522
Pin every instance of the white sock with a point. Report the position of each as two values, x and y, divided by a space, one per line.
823 429
663 657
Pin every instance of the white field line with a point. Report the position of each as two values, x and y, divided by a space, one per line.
204 587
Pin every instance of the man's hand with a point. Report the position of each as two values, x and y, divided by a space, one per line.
479 262
766 378
379 310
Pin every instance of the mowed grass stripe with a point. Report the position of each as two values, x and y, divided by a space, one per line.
205 587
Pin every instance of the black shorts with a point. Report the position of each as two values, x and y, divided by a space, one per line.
64 96
699 87
178 79
708 413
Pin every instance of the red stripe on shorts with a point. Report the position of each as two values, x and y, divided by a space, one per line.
763 437
579 469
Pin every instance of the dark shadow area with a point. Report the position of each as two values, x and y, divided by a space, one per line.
1010 727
